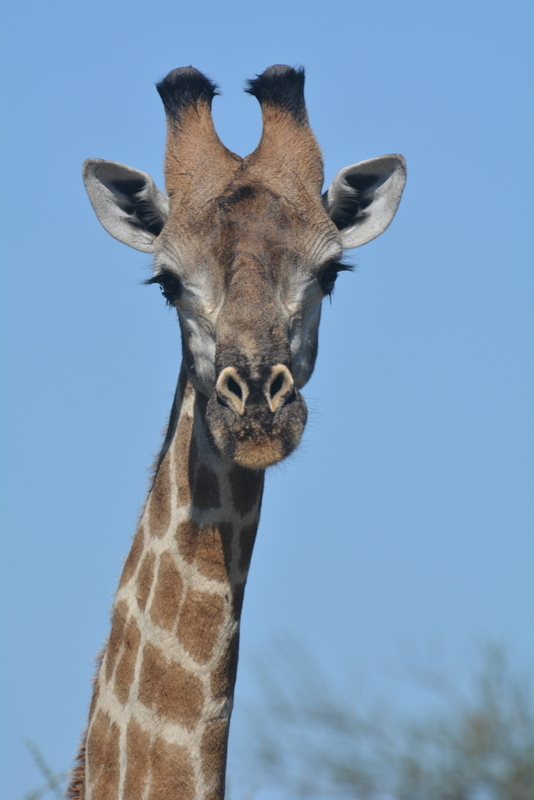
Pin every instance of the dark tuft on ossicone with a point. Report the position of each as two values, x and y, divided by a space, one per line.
185 86
281 86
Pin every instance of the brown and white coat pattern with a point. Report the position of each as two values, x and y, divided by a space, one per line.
245 249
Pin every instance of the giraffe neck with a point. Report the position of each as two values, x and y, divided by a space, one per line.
159 719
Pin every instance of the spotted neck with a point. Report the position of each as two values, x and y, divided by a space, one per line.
159 718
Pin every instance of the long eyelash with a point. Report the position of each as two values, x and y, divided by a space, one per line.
343 266
334 268
169 284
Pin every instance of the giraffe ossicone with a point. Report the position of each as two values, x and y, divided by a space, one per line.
245 249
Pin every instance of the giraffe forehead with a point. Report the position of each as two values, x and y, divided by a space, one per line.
247 221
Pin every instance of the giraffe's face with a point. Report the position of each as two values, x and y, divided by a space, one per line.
248 293
246 249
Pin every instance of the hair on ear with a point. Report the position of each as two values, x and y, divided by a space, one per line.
134 200
352 198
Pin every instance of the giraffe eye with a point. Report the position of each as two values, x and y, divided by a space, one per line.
170 289
328 276
328 279
169 284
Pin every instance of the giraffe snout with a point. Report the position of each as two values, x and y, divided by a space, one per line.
256 415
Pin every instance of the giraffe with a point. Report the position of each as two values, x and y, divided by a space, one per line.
245 249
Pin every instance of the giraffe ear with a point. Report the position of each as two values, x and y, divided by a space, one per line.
126 201
363 198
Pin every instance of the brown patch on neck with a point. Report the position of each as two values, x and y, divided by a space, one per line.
137 751
206 493
169 689
145 579
103 757
247 488
208 548
118 624
200 621
124 674
134 555
160 500
224 674
171 772
168 593
213 749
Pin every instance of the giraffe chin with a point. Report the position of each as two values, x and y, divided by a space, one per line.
259 455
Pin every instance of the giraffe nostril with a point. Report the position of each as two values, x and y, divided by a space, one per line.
276 385
234 388
279 387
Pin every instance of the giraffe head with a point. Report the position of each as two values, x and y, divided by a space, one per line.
246 249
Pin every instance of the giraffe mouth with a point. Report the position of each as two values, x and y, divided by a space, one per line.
259 454
257 439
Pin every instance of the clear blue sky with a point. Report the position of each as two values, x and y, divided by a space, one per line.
404 520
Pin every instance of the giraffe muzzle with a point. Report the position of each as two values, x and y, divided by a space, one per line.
256 421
